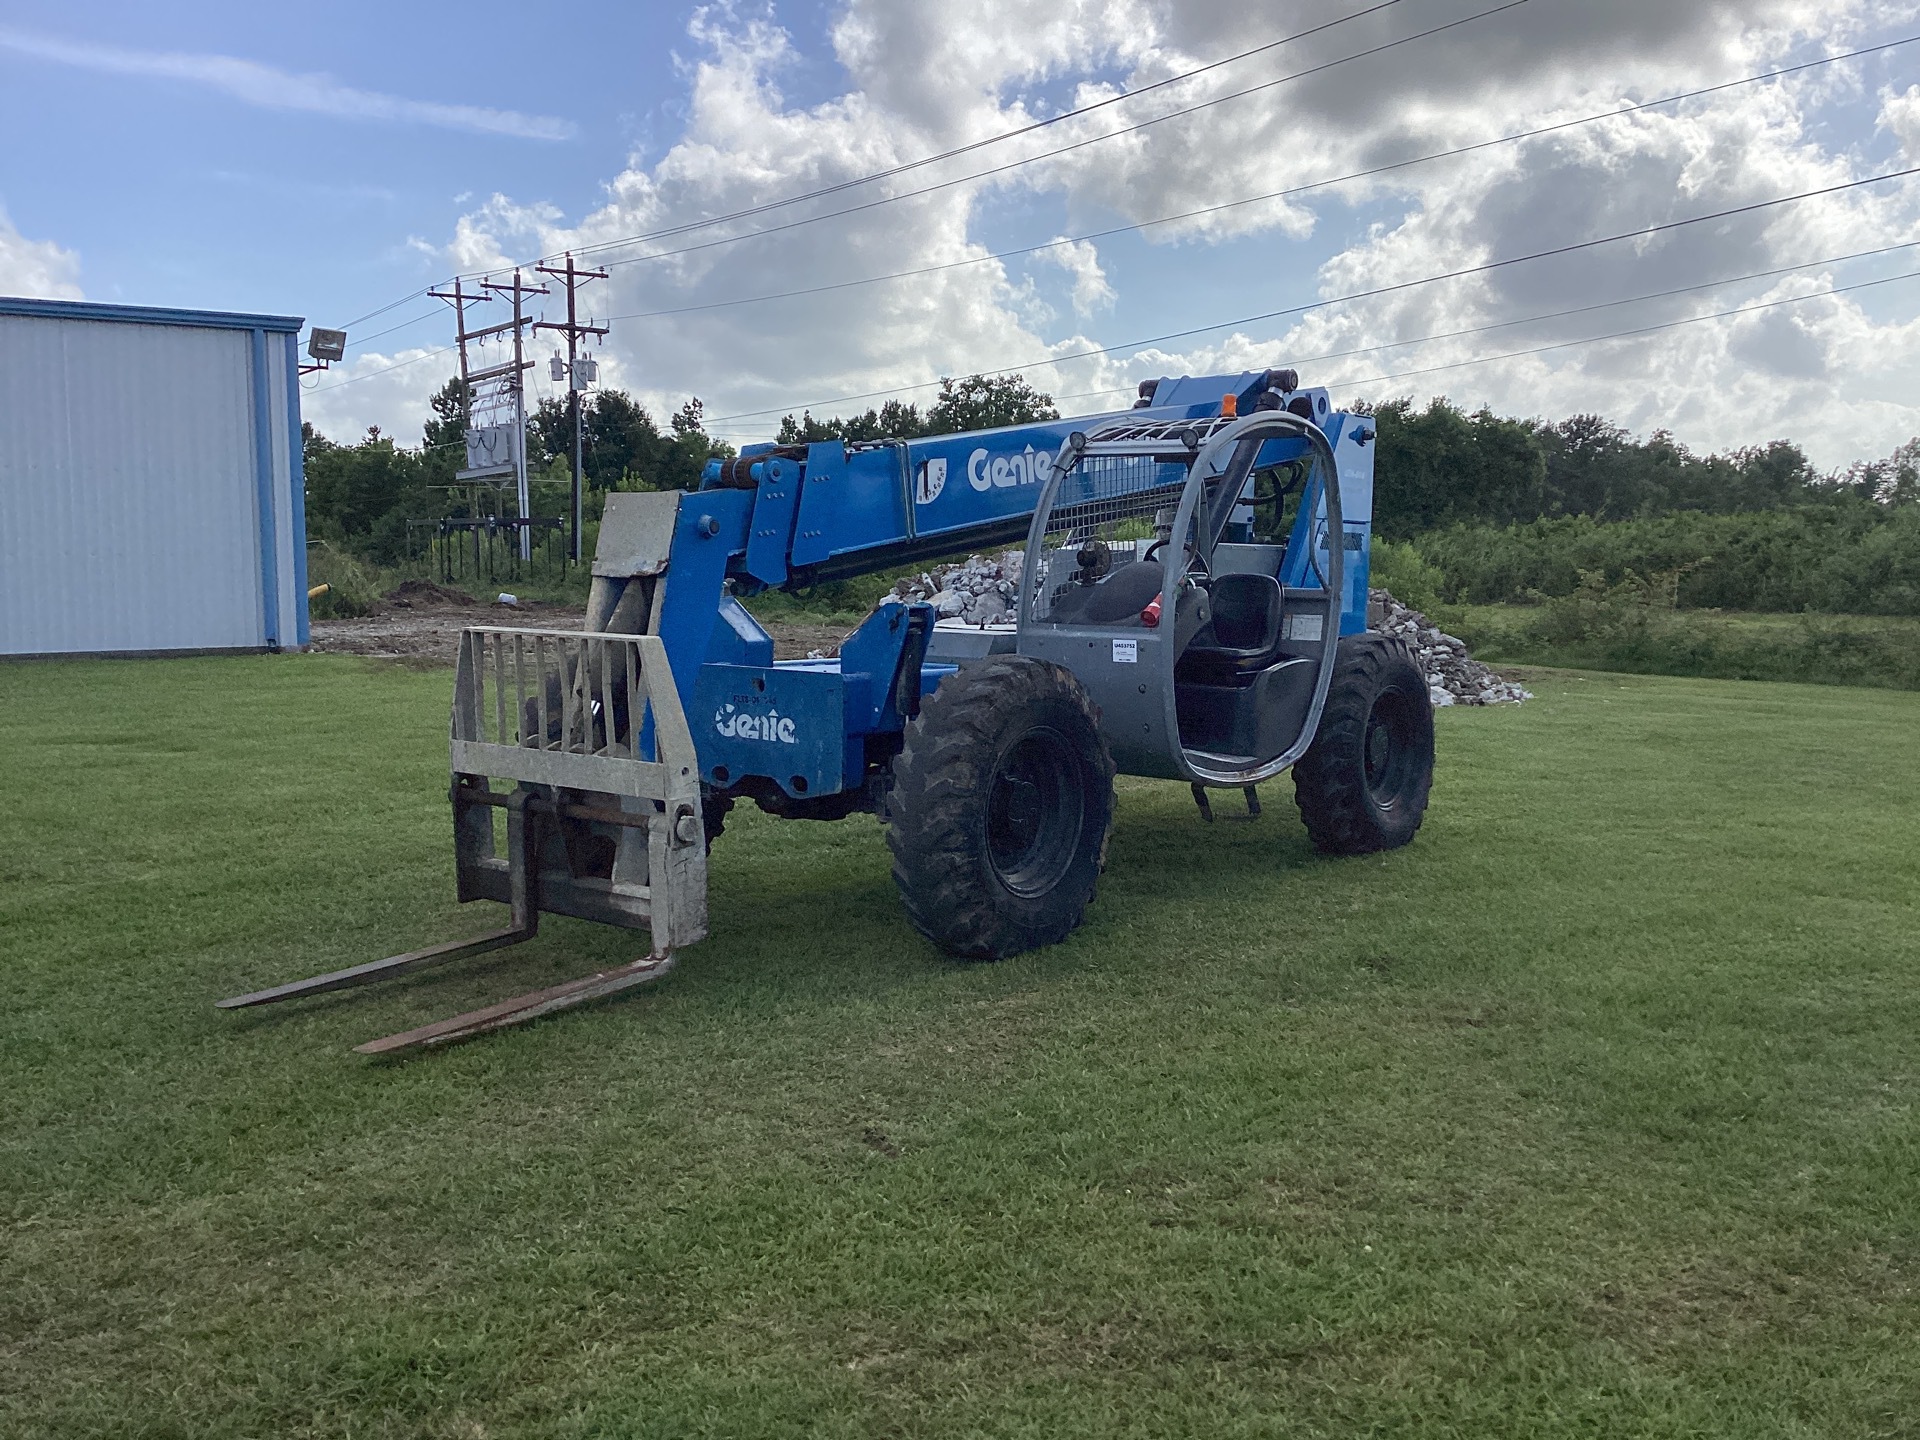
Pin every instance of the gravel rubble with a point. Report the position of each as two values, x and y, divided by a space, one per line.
1453 676
979 591
983 589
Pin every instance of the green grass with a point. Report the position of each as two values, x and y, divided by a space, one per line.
1873 650
1591 1113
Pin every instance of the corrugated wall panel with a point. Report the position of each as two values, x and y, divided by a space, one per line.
129 505
283 441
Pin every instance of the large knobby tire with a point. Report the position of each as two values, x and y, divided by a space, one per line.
1363 785
1001 804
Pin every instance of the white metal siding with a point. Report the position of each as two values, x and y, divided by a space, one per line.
129 494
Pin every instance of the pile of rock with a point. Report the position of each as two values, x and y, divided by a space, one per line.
982 591
985 589
1453 676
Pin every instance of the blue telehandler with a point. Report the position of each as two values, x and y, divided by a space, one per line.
1191 606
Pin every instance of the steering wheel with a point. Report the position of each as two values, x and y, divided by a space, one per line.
1194 558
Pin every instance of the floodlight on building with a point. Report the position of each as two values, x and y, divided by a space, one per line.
326 346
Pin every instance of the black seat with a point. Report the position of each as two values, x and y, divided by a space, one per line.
1117 599
1244 635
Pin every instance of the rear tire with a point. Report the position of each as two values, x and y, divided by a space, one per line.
1364 783
1001 805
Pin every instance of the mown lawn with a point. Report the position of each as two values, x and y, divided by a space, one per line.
1592 1113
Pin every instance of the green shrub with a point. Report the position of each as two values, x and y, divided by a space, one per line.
1846 557
1399 567
1632 625
353 588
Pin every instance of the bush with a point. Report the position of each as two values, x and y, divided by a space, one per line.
1632 625
1846 557
1398 566
352 587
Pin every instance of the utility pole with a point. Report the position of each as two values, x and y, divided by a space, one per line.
573 330
515 384
460 300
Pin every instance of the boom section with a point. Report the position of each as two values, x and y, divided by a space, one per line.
832 510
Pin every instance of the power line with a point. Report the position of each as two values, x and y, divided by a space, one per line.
1447 154
395 329
912 164
1555 314
1258 199
982 144
983 174
1592 339
383 370
1377 170
1488 267
1049 154
1266 315
1632 334
1564 314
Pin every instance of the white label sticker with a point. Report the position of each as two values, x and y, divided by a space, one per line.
1126 652
1303 627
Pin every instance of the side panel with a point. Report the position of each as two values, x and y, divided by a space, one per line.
1306 565
295 488
1355 455
130 515
785 722
1126 672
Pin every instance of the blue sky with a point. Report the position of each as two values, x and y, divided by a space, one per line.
327 161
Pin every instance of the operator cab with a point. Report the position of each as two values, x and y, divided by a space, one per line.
1219 684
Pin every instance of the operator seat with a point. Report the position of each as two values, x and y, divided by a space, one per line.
1243 639
1118 598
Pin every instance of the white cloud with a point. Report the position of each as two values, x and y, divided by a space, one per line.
385 389
38 269
1901 115
1081 261
1831 373
271 88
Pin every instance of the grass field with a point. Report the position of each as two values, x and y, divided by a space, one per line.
1870 650
1592 1113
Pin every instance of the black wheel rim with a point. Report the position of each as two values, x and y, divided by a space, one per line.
1391 747
1035 811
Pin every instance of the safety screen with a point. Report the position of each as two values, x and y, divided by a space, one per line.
1107 517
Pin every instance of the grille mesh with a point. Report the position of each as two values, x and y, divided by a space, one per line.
1102 519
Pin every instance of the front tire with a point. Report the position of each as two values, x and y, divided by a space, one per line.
1363 785
1001 805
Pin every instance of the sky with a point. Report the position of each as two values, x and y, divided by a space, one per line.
1306 204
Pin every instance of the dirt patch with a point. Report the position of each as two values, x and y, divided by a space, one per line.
421 626
417 594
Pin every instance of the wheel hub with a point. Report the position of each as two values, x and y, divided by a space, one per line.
1034 813
1388 751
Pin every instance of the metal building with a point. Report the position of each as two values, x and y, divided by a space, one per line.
151 497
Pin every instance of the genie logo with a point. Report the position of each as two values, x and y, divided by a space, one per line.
931 480
742 725
1002 472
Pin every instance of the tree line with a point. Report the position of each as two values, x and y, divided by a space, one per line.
363 494
1442 466
1501 508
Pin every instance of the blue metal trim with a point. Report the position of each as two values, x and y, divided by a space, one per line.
263 487
297 492
148 315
